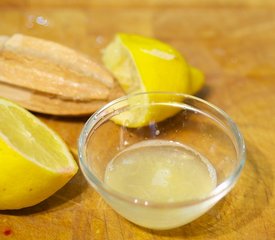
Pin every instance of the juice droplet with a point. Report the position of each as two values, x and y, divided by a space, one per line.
7 232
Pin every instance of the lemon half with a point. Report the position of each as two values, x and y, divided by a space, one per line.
143 64
34 161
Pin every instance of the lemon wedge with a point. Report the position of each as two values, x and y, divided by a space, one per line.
34 161
143 64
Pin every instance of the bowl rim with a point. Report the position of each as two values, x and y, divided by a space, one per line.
102 188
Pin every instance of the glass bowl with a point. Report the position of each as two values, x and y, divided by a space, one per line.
204 131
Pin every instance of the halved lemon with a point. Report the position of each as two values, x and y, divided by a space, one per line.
143 64
34 161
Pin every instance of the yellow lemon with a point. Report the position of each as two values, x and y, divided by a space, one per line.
143 64
34 161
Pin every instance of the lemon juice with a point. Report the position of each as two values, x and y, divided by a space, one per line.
161 171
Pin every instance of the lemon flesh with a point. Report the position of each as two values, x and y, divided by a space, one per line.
143 64
34 161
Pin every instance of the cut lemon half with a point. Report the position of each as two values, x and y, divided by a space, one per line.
34 161
143 64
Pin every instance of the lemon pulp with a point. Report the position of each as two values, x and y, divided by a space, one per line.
34 161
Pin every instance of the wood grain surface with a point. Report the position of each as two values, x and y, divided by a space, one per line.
232 42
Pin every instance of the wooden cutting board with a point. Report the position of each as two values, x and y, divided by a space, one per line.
233 43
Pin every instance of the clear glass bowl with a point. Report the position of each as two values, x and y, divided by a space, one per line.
195 123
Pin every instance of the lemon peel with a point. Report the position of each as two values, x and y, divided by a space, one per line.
142 64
